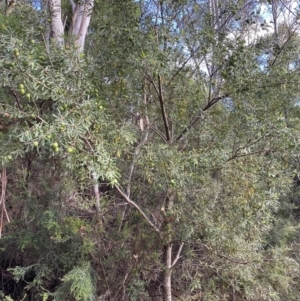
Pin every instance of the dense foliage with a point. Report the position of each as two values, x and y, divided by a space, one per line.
159 164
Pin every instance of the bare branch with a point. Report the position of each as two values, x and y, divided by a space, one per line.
177 255
163 109
2 199
16 98
132 203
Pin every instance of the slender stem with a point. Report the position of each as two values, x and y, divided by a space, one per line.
96 191
177 255
163 110
135 205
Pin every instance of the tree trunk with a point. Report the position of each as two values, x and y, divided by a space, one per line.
168 272
80 21
57 28
168 247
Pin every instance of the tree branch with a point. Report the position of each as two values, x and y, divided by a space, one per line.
235 154
132 203
163 110
2 199
233 259
158 132
177 255
144 138
199 115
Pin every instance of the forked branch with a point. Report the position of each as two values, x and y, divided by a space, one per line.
135 205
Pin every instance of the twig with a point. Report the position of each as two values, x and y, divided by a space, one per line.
2 200
132 164
224 256
17 100
163 109
177 255
199 115
283 46
252 153
249 144
135 205
233 259
158 132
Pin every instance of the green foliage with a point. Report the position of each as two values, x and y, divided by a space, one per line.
208 155
79 283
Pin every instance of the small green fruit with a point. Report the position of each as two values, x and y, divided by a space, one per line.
22 91
28 96
114 181
48 137
9 157
16 51
62 128
21 86
172 182
35 144
70 150
56 149
54 145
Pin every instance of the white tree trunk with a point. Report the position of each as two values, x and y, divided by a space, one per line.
168 247
168 272
57 27
80 21
76 20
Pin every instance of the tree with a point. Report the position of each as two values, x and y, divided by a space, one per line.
152 167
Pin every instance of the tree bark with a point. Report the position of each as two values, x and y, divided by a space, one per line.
168 272
57 28
80 21
168 247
